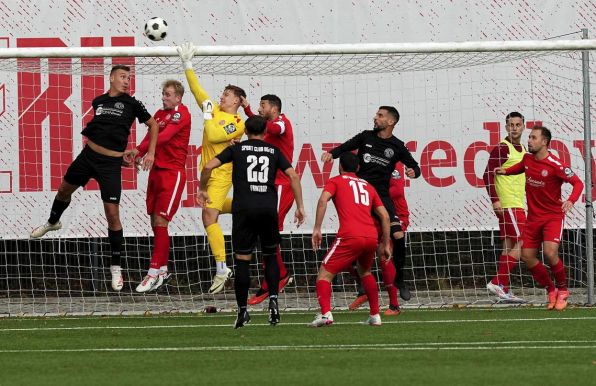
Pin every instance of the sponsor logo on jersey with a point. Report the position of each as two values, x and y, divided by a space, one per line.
374 159
176 117
544 173
366 157
389 152
99 110
535 183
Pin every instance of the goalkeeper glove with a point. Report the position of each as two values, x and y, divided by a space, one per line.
186 51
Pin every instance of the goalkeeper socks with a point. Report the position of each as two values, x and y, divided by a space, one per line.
58 207
399 258
241 282
217 243
560 275
372 292
271 274
388 272
506 264
324 295
161 247
116 240
540 274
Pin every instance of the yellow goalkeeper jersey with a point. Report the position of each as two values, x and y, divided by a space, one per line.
218 131
511 190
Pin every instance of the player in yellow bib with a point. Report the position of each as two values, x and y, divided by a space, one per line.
508 196
222 124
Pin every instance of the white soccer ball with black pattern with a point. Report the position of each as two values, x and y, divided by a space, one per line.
156 29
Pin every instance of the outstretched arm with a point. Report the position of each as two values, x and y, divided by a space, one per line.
186 52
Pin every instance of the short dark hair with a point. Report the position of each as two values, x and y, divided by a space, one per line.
545 133
392 111
255 125
236 90
273 101
349 162
119 67
514 114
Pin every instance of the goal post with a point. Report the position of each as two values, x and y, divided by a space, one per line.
452 98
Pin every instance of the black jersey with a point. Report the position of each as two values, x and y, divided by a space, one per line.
377 157
255 164
113 117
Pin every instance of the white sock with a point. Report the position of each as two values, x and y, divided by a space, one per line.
163 269
221 267
153 272
115 269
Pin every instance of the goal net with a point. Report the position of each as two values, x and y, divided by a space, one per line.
452 99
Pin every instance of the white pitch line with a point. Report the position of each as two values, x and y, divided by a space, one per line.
229 325
396 347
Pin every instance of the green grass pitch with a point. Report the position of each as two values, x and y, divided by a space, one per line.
511 346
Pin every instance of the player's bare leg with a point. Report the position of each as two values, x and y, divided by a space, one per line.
217 244
61 202
116 237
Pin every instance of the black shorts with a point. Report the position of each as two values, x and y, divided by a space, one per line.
248 224
393 218
106 170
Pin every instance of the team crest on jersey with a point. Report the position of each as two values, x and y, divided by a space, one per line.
176 117
389 153
544 173
230 128
119 105
568 172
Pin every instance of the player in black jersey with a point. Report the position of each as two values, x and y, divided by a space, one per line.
378 152
102 159
254 209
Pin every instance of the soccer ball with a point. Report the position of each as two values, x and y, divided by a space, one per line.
156 28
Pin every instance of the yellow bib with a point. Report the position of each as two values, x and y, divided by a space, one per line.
512 189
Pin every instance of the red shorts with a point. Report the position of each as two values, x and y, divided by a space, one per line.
512 223
164 190
285 196
345 251
539 230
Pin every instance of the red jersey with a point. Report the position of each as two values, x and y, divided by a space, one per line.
354 198
280 134
397 186
172 141
544 179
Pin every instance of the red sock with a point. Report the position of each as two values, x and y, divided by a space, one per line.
560 275
506 264
370 287
324 295
161 246
388 271
540 274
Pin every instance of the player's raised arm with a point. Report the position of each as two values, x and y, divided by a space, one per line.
186 52
351 144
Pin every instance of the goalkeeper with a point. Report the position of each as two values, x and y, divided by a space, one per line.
222 124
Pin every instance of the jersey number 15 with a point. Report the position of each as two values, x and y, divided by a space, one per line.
360 192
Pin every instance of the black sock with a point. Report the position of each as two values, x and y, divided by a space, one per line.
399 258
272 274
241 283
116 241
58 207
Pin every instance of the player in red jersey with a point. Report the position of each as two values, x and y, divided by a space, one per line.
545 174
508 196
397 195
167 178
356 239
279 133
